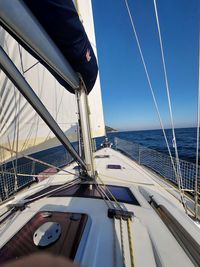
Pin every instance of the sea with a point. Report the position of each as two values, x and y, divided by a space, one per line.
186 142
154 139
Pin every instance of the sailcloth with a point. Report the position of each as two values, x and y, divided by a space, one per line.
21 129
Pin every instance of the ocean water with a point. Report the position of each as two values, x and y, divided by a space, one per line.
185 137
186 141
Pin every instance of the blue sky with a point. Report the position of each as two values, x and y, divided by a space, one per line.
127 101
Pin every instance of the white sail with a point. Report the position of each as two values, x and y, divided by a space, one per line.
21 129
95 100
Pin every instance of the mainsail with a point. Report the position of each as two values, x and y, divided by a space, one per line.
21 129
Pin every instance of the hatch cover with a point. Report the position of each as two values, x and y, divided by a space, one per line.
47 234
114 166
57 233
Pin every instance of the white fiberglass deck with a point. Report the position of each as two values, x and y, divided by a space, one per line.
153 243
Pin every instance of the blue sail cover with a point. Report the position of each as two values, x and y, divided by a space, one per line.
60 20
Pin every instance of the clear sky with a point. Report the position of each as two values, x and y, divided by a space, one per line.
127 101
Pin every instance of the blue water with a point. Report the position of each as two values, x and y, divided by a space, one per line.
186 140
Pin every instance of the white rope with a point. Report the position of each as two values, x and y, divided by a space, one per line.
122 242
197 147
180 182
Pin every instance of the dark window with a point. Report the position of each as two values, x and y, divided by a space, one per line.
122 194
114 166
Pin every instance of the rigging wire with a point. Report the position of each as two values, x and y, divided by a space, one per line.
153 96
179 176
167 89
197 146
150 85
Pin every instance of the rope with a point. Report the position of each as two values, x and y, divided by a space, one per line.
130 242
115 200
121 227
145 184
104 196
197 147
65 186
122 242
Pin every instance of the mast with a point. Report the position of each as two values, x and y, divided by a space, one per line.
82 101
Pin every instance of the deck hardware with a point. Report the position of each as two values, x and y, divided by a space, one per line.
124 214
75 217
102 156
17 206
47 234
114 166
46 214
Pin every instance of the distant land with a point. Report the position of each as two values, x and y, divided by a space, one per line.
109 129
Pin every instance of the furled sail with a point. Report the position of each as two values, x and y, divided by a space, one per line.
21 129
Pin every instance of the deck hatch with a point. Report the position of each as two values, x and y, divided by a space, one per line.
114 166
22 243
121 193
102 156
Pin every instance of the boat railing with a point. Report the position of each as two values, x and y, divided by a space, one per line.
13 179
160 163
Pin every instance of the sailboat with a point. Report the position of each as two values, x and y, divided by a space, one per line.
99 207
